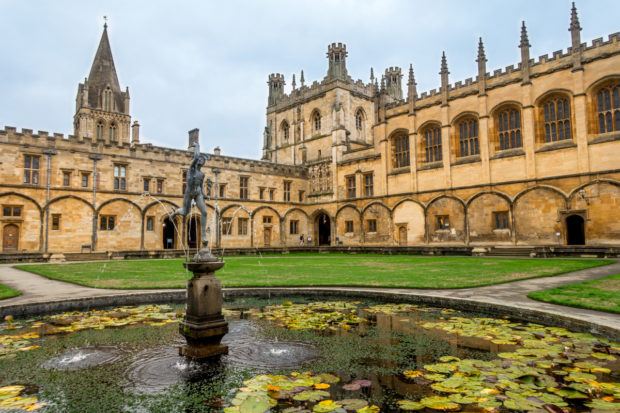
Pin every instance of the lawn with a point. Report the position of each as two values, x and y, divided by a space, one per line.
7 292
602 294
293 270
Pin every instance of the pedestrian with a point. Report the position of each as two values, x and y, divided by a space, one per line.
309 240
301 239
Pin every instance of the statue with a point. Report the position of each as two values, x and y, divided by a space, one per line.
194 191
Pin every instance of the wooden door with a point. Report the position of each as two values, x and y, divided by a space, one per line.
267 236
10 238
402 235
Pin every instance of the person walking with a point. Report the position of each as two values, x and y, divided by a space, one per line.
301 240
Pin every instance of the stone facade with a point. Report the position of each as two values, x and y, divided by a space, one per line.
526 155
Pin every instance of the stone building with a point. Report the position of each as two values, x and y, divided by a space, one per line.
526 155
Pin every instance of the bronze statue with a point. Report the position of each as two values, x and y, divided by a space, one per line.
194 191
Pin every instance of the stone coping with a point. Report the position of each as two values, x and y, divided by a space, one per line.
515 311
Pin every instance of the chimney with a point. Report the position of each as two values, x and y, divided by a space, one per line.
217 151
193 138
135 133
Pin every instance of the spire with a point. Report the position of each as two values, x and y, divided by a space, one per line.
102 71
293 83
372 75
525 42
524 45
574 20
482 68
382 83
412 93
482 57
444 64
575 35
302 80
444 79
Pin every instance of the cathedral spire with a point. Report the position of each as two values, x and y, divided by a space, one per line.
102 71
444 79
302 80
482 68
524 45
372 75
293 83
575 35
412 93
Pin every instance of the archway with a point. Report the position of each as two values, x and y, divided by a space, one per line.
168 234
10 238
324 227
575 230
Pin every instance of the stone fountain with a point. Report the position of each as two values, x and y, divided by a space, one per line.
203 325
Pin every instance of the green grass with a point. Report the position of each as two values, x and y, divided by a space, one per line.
8 292
602 294
293 270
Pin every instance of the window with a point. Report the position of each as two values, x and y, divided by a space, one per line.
556 112
160 186
31 169
294 227
85 177
222 192
150 223
500 219
301 196
348 225
113 137
318 154
146 183
608 108
183 181
442 222
99 130
432 144
107 99
372 225
272 194
66 178
316 121
106 222
359 120
261 192
285 130
368 184
226 226
400 147
267 219
242 226
120 178
509 128
55 222
468 137
287 191
351 192
243 187
12 210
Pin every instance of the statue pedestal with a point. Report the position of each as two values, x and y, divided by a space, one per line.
203 325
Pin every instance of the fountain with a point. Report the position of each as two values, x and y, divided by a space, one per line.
203 325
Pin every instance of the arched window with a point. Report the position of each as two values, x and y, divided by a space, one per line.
316 121
113 132
107 99
556 115
608 107
509 128
99 130
285 130
468 137
432 143
400 148
359 120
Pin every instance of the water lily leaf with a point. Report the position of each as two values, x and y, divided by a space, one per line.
412 374
440 403
580 377
603 356
329 378
462 399
326 406
353 404
521 404
600 404
435 377
311 395
440 368
568 393
410 405
369 409
351 387
362 383
447 359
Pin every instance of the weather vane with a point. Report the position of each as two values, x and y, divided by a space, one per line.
105 21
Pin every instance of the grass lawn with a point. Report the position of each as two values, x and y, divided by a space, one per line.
293 270
7 292
602 294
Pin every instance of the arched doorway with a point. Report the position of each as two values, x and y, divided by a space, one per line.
324 227
575 230
193 236
10 238
168 234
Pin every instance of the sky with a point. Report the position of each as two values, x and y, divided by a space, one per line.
204 64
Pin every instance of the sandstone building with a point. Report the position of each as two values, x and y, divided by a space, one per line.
526 155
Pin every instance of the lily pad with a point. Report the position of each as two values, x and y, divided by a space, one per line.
410 405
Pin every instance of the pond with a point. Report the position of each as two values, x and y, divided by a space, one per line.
295 355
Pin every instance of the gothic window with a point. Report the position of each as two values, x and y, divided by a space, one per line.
431 136
150 223
556 114
351 190
359 120
608 107
287 191
509 128
107 99
99 132
113 136
369 186
242 226
400 147
468 137
285 130
316 121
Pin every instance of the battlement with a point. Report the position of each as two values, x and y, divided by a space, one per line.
276 77
336 47
393 70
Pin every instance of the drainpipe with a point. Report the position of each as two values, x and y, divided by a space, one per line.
95 157
216 212
48 183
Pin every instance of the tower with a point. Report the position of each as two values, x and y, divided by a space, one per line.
276 88
102 108
337 57
393 80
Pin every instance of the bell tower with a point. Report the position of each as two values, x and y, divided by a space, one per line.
101 107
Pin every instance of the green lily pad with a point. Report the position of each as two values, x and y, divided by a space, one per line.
410 405
311 395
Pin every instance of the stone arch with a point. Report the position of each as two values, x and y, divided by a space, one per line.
77 198
30 226
302 227
153 239
128 224
409 222
266 227
346 206
155 203
109 201
291 210
76 224
487 212
382 215
344 236
446 220
599 203
240 234
537 215
260 208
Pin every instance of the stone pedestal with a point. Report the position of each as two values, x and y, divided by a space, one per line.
203 325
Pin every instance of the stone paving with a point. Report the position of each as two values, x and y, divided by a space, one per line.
39 290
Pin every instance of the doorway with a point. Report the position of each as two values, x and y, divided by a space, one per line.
10 238
575 230
267 237
193 237
168 234
324 229
402 235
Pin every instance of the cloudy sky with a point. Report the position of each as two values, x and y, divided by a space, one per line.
205 64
